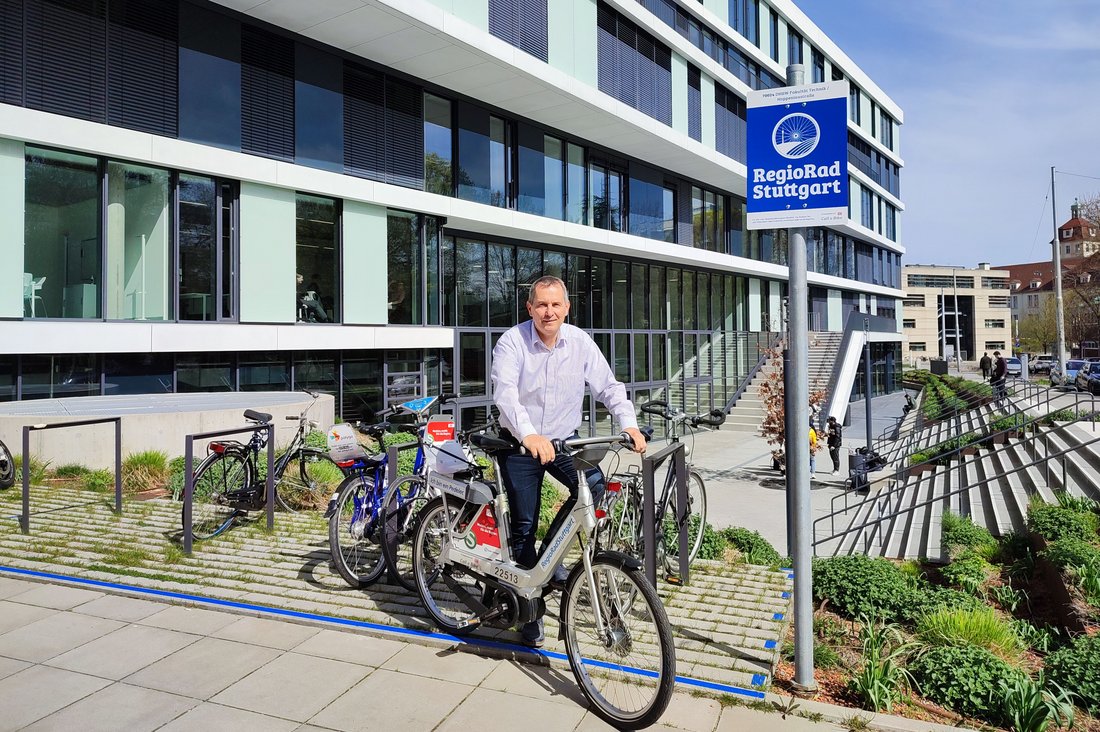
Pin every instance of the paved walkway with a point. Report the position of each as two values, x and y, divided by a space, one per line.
79 659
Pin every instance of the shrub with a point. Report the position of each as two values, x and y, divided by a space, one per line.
73 470
960 531
1071 553
919 458
142 470
1030 708
754 547
1055 523
933 597
858 585
316 439
714 543
1087 579
881 678
1072 502
964 679
1041 638
550 500
406 459
969 571
1076 668
981 627
100 481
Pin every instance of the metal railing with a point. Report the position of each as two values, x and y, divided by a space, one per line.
772 342
189 475
675 451
25 514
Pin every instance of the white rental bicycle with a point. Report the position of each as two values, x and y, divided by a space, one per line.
617 636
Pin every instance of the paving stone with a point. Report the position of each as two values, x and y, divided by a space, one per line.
264 632
11 586
118 607
13 615
412 703
207 716
9 666
535 681
38 691
58 597
697 714
738 719
203 668
509 711
190 620
117 707
119 654
352 647
293 686
53 635
436 663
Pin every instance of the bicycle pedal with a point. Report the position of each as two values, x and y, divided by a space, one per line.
674 579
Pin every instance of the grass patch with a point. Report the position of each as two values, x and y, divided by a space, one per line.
39 469
173 553
100 481
72 470
127 556
981 627
144 470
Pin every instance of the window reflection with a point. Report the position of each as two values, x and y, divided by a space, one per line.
317 261
209 78
139 231
404 270
438 145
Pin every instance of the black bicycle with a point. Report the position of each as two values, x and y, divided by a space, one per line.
7 467
230 482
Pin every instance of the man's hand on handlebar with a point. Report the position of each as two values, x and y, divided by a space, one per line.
638 437
540 448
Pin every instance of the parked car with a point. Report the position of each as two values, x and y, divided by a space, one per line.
1066 377
1041 364
1088 378
1015 367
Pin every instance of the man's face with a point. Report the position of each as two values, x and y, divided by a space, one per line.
548 310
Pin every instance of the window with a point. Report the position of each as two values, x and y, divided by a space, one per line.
67 51
1000 323
1032 301
404 268
541 173
886 129
209 77
1001 301
317 261
652 205
522 23
484 156
743 18
632 66
773 33
207 253
142 65
705 219
908 323
1067 233
794 46
926 280
606 202
729 123
139 236
866 207
318 109
576 192
267 93
61 252
695 104
817 63
994 345
995 283
890 223
918 346
438 146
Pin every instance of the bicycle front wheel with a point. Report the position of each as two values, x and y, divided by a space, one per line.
625 662
438 584
7 467
696 520
354 538
401 507
219 481
308 481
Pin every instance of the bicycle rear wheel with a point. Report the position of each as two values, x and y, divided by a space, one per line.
401 507
625 665
308 481
219 480
7 467
354 535
696 520
436 582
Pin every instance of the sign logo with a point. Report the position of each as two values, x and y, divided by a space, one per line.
797 156
471 542
795 136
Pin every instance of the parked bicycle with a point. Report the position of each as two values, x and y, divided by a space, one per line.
355 513
7 467
622 502
617 636
230 481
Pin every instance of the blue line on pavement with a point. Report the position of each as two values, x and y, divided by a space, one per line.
770 644
785 595
777 616
786 569
757 679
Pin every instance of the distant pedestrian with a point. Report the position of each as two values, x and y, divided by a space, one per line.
997 378
833 437
813 449
986 365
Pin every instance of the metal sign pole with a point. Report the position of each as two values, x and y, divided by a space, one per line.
1059 313
867 381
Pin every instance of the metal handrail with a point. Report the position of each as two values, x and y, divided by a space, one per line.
1047 457
773 342
25 514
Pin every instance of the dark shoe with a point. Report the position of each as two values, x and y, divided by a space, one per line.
557 582
532 634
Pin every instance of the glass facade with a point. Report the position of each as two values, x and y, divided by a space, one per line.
138 247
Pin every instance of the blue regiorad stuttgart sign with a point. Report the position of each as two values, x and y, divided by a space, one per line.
798 156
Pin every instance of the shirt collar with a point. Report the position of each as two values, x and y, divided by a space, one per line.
534 340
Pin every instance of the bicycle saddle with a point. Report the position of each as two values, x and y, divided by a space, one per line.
491 443
256 416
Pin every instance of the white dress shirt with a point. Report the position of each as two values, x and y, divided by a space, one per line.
540 391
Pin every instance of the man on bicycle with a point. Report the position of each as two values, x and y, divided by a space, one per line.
540 369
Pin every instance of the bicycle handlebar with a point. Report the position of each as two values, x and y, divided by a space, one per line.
572 443
662 409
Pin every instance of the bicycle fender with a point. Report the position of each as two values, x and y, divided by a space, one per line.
618 559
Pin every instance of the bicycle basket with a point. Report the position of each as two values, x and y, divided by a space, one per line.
343 445
590 457
450 457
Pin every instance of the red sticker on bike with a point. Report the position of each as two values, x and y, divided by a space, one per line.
440 430
485 529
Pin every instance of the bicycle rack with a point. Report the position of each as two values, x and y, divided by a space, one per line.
391 459
677 451
189 475
25 515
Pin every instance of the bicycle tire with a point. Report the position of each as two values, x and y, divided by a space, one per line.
696 520
448 612
353 535
630 664
7 467
308 481
218 475
404 500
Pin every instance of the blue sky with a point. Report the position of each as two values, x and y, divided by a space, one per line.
994 93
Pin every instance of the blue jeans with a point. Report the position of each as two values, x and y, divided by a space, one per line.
522 476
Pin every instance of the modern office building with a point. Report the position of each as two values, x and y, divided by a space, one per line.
351 195
954 310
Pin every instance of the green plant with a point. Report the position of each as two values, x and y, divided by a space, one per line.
754 547
100 481
1071 552
173 553
830 630
1039 638
550 500
141 470
1056 522
38 469
961 531
969 571
1087 579
714 543
72 470
1081 504
858 585
963 679
881 678
317 440
981 627
1007 597
1030 708
1076 668
919 458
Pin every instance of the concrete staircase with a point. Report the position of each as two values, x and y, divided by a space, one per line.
901 518
748 411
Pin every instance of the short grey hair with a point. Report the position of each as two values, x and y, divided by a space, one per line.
547 281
